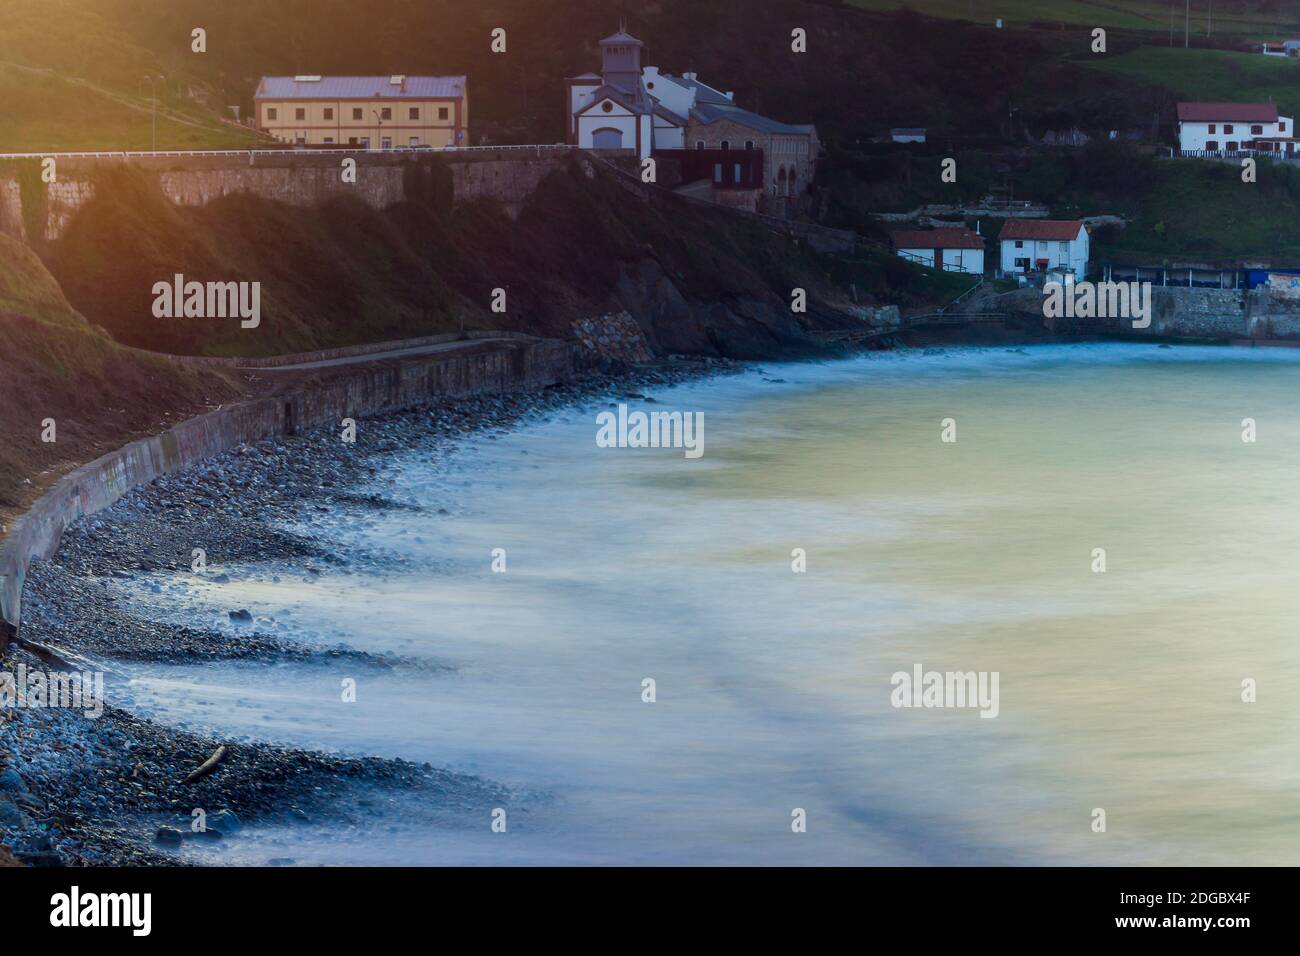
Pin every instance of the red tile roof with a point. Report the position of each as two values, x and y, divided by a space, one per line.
1059 230
1227 112
936 239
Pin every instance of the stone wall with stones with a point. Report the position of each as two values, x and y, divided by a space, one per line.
613 336
508 176
1221 315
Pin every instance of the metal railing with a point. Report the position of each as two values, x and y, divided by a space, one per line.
284 151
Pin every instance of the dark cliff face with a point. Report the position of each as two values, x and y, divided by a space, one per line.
696 279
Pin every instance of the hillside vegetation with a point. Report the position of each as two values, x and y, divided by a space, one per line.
343 273
1227 18
1211 75
100 395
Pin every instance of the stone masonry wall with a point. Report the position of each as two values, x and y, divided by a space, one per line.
372 390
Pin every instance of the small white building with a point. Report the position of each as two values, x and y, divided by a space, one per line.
1233 127
1285 48
907 135
1037 245
952 250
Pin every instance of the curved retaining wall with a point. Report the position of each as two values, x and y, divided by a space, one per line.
384 387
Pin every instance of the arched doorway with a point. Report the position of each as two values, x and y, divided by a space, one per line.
781 185
607 138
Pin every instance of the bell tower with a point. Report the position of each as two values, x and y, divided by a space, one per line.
621 61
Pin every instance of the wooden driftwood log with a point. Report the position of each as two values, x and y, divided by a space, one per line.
208 765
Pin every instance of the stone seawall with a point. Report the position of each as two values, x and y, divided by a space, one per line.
1223 315
373 390
508 176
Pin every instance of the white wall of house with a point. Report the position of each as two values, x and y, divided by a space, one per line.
964 260
1199 136
954 260
580 96
1027 255
668 135
594 127
922 257
675 97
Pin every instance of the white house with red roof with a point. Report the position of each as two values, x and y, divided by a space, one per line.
1234 127
949 249
1037 245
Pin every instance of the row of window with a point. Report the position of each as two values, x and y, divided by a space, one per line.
385 142
1256 130
726 144
300 113
1062 247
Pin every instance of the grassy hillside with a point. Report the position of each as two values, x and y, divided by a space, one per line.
1199 209
1214 75
72 78
53 365
344 273
1235 19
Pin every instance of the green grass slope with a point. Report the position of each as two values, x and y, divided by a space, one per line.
100 395
1211 75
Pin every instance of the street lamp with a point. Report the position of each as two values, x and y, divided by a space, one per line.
379 129
154 99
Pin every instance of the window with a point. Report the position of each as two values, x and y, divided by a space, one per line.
1233 147
443 112
699 144
413 113
272 113
1020 245
607 106
749 144
329 112
1064 248
1227 127
386 143
386 113
1212 129
352 141
356 114
1022 265
725 144
1257 130
1212 145
717 172
414 141
300 114
1281 126
365 142
738 176
329 140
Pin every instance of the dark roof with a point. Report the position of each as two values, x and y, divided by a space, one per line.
1227 112
637 104
712 112
936 239
622 37
359 87
1061 230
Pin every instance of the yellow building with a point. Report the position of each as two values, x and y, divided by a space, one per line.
370 112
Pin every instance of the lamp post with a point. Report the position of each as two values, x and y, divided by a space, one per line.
153 97
379 129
